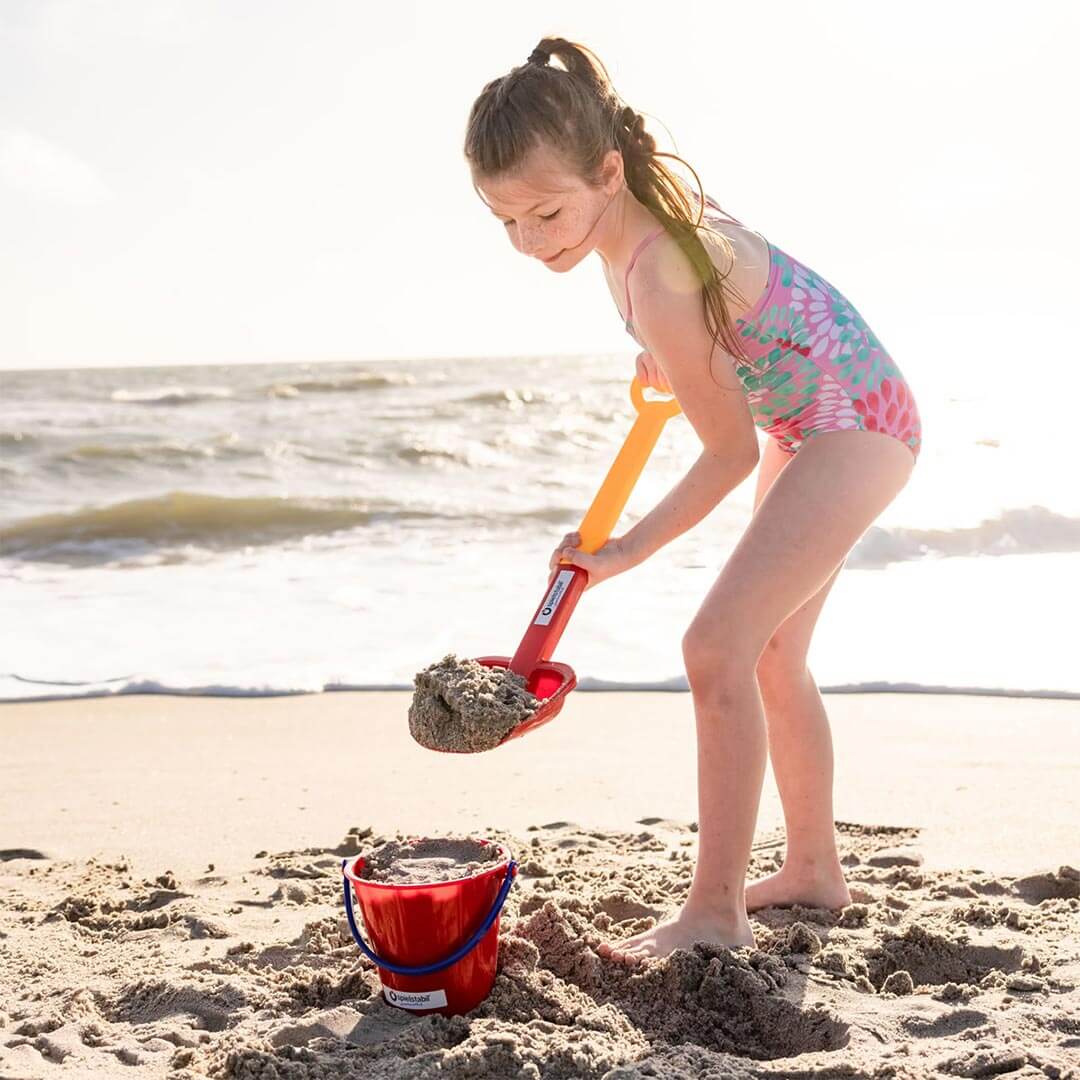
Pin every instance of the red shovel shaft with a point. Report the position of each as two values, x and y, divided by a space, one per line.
549 620
567 581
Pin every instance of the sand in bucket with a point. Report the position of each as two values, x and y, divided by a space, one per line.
462 705
419 862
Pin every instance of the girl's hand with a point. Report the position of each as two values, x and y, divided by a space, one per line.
610 559
650 373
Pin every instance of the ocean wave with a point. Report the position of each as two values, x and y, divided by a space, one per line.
169 453
507 396
366 380
1019 531
419 452
17 440
172 395
470 452
179 517
96 535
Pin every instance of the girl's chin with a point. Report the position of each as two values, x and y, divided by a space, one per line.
566 258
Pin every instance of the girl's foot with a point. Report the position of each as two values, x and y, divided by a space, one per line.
679 932
811 888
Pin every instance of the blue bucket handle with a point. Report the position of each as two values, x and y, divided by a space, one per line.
427 969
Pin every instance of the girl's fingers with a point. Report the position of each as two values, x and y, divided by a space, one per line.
569 540
650 375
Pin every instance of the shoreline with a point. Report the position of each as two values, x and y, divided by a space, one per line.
584 688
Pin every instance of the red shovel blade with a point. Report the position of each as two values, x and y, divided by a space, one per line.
549 680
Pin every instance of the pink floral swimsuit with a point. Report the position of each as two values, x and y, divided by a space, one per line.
816 365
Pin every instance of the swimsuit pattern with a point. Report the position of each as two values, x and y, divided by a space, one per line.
815 365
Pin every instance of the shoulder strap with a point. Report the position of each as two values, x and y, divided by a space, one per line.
630 265
709 201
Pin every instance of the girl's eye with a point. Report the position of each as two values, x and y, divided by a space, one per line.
543 217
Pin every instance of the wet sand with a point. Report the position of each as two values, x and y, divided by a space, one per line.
462 706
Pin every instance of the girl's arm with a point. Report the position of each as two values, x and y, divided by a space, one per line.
709 480
669 316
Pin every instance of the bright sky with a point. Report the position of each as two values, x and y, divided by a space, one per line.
185 181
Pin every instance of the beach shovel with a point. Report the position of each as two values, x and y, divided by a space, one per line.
548 680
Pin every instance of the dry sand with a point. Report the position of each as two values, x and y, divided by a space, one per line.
462 706
203 954
926 973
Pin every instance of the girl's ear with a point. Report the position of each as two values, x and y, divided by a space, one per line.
611 170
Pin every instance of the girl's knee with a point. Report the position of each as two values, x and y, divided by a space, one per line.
716 664
781 667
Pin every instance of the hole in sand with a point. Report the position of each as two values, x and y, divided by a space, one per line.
932 960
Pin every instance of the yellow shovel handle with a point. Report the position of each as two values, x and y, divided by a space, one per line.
603 515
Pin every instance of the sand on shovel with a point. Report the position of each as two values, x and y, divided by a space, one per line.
427 860
461 705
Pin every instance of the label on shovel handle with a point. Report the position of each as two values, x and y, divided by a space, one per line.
554 597
415 999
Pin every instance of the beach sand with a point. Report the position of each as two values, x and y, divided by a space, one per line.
170 894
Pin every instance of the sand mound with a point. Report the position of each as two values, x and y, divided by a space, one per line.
954 973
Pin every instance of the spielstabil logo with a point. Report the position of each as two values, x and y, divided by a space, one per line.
421 999
551 601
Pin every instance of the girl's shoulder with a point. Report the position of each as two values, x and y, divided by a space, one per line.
745 267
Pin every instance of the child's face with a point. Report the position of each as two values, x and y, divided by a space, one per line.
548 212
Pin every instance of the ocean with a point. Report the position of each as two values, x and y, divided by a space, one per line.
296 528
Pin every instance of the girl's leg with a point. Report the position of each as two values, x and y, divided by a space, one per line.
817 508
800 748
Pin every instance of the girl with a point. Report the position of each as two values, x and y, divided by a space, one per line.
742 334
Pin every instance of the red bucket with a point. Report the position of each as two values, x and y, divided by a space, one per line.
436 945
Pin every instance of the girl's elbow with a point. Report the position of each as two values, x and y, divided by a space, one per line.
747 454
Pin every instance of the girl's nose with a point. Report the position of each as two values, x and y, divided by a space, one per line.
528 243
